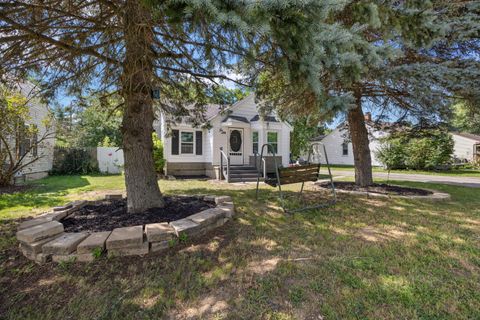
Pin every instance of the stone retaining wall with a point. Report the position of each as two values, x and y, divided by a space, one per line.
43 239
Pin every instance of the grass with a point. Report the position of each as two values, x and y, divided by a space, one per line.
362 259
453 172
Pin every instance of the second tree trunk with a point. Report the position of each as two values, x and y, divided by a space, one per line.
360 142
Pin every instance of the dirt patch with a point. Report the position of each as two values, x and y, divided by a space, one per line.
14 189
379 188
109 215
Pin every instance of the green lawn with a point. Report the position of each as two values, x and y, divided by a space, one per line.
453 172
362 259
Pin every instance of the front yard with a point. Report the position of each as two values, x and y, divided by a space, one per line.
455 172
363 258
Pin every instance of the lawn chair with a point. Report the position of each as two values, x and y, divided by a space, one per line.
296 174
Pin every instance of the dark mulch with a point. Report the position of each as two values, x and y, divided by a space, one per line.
14 189
113 214
380 188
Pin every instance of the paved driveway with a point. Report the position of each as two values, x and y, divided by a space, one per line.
452 180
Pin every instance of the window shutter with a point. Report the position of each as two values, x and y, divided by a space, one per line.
175 141
198 143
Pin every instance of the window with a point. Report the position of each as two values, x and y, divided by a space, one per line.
186 142
23 142
345 149
272 139
255 141
34 143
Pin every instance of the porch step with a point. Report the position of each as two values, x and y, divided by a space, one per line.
244 180
243 175
242 168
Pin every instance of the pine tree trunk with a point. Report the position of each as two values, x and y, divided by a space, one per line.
360 142
137 125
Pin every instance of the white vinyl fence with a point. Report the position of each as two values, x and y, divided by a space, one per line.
110 159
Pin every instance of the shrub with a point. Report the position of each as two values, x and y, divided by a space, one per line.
158 153
70 161
424 151
391 153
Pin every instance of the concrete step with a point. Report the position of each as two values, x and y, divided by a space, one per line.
244 180
243 175
242 168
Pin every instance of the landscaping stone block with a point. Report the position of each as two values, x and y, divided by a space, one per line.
221 199
93 241
209 198
125 237
64 244
27 253
134 251
42 258
36 247
39 232
56 215
62 208
159 232
186 226
208 216
34 222
113 197
228 208
159 246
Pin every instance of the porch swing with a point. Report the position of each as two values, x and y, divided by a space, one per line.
295 174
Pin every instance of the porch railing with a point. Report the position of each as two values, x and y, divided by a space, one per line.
224 173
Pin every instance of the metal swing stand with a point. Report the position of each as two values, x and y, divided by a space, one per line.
296 174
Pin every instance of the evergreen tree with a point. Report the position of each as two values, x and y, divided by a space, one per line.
126 46
405 58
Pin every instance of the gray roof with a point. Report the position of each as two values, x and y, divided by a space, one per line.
238 118
266 118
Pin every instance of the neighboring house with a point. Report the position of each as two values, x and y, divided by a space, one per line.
467 147
339 148
40 146
238 130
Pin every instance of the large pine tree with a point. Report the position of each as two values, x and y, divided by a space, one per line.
127 47
405 58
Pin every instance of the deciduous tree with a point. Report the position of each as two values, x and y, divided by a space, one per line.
20 137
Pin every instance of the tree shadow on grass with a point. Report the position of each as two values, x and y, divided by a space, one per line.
46 192
264 264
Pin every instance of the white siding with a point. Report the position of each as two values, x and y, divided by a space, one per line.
217 135
333 144
39 112
463 148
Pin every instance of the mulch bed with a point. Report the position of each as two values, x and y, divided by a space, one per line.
379 188
14 189
113 214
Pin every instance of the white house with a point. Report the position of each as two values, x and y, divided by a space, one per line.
467 146
239 131
339 148
38 148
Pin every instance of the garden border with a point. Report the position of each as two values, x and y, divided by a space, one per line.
435 196
43 239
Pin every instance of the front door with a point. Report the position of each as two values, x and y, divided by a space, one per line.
235 146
